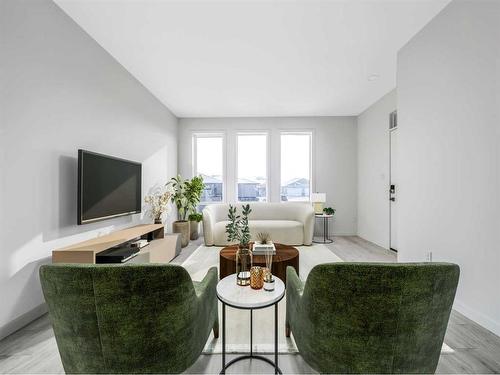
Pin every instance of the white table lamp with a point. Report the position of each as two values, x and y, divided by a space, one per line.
317 200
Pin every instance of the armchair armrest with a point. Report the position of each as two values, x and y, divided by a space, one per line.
207 285
206 291
294 286
294 290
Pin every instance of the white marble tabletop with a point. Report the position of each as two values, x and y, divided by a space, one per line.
323 215
246 297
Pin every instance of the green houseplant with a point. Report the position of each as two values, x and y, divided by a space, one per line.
178 187
237 231
194 188
185 194
329 211
194 225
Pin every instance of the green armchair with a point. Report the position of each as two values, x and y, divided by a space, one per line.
137 318
371 317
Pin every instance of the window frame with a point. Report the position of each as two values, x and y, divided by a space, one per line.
310 133
194 146
268 165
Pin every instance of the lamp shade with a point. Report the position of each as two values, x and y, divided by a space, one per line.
318 197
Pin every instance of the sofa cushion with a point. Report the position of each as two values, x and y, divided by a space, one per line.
288 232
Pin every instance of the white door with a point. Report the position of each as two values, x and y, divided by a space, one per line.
394 190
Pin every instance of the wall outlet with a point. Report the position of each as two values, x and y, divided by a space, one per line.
428 256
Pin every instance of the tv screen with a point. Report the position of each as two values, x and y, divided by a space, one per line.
107 187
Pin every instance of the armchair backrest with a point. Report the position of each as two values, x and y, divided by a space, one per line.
374 317
120 318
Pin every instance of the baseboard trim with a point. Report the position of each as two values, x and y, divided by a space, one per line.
478 317
23 320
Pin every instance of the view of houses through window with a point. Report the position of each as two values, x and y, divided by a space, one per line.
209 163
252 167
295 166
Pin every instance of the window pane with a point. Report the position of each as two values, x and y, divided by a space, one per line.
209 164
295 166
252 167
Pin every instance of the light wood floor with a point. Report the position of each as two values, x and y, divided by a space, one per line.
33 348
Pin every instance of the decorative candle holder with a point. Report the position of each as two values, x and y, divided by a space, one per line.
243 266
268 276
268 280
256 277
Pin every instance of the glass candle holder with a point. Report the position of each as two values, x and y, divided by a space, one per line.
267 274
243 266
268 280
256 277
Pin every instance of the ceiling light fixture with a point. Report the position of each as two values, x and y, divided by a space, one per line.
373 77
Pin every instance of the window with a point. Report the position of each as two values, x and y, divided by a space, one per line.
295 166
208 156
252 167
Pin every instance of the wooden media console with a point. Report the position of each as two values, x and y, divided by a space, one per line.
161 248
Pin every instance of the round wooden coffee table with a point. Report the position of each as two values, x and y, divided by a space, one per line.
285 256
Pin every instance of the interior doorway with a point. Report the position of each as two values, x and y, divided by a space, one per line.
393 181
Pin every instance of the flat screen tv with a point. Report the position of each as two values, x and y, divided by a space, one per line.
107 187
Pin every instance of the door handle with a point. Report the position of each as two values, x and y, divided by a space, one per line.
392 199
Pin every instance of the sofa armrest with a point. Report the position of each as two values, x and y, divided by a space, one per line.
307 218
208 224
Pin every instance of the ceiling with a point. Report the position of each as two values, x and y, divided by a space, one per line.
257 58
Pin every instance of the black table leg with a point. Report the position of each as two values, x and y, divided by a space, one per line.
251 333
277 370
276 338
223 338
325 228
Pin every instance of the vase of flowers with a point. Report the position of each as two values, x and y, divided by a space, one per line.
237 231
157 201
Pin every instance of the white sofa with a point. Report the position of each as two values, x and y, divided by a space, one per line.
287 223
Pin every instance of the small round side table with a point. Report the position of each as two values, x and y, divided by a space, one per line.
326 233
246 298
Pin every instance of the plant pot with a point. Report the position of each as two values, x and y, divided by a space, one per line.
182 227
194 227
158 221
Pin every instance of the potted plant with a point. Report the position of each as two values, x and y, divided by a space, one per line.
237 231
329 211
178 188
186 197
194 225
194 188
158 204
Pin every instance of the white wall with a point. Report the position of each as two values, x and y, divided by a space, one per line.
373 170
60 91
449 138
334 156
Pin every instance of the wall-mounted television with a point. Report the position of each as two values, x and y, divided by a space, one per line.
108 187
